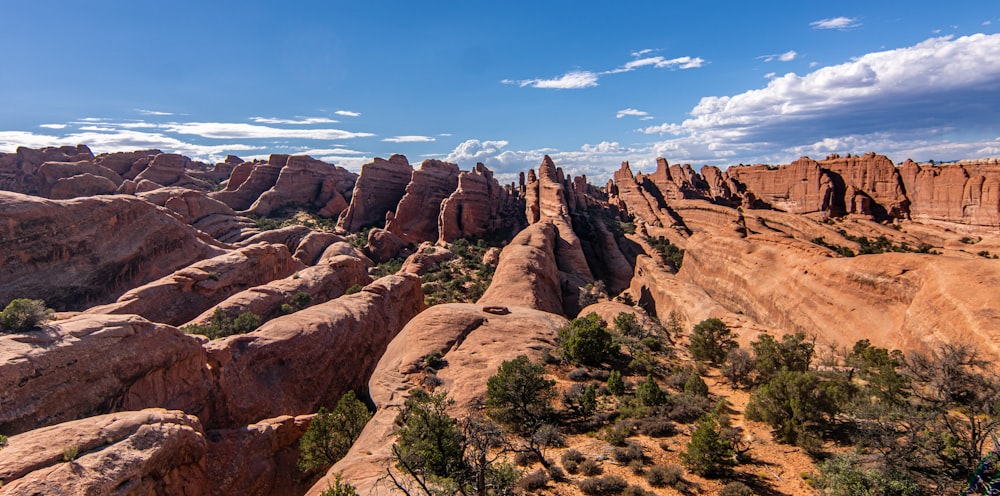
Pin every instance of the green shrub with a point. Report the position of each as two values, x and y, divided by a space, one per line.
221 325
793 352
519 396
673 254
587 341
339 488
429 440
844 475
711 341
627 325
616 385
664 475
797 405
708 453
3 441
23 314
70 453
696 386
331 433
353 289
649 393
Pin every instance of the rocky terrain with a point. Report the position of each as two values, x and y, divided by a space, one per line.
205 313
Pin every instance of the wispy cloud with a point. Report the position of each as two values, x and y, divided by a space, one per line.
841 23
152 112
53 126
118 140
445 134
236 130
770 75
632 112
587 79
298 121
783 57
315 152
409 139
348 113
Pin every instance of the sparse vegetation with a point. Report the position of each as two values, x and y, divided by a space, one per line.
221 325
586 340
711 341
339 488
464 278
708 453
673 255
331 433
24 314
70 453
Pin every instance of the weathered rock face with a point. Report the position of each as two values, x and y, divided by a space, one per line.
18 169
379 189
127 164
416 218
306 182
479 207
873 175
181 296
299 362
258 459
474 343
527 275
249 181
383 245
427 257
800 187
340 268
74 253
191 205
151 451
95 364
64 180
169 169
960 196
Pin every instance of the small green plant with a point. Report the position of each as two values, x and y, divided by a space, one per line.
70 453
708 454
354 289
649 393
616 385
711 341
670 252
587 341
221 325
339 488
23 314
3 441
331 433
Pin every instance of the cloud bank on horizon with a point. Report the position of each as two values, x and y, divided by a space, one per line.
933 99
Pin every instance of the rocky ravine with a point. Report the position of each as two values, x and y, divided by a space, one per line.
141 244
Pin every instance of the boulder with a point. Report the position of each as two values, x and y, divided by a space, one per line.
64 180
96 364
18 169
527 275
383 245
127 164
152 451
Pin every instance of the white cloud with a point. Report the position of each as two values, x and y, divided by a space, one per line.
770 75
646 118
53 126
445 134
631 111
872 102
642 52
348 113
299 121
409 139
569 81
660 63
103 142
841 23
316 152
783 57
152 112
234 130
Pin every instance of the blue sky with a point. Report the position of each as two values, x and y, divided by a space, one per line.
590 83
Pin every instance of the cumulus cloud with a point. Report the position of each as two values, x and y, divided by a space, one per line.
409 139
841 23
587 79
118 140
875 96
299 121
631 111
235 130
348 113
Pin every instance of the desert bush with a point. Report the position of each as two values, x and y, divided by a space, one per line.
797 405
793 352
652 344
519 395
586 340
664 475
686 408
578 375
739 364
526 458
736 488
549 435
696 386
711 341
656 427
221 325
627 325
590 468
631 451
617 433
533 481
608 484
649 393
708 453
23 314
339 488
572 455
331 433
556 472
616 385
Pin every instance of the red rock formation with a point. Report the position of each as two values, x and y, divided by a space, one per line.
151 451
800 187
18 169
383 245
474 344
299 362
249 181
307 183
181 296
379 189
963 196
169 169
127 164
258 459
95 364
479 207
426 257
416 216
875 176
203 212
73 253
64 180
527 275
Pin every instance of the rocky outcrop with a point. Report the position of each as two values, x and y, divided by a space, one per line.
305 244
75 253
308 183
480 207
383 245
127 164
416 216
801 187
169 169
965 197
258 459
18 169
64 180
527 275
379 189
183 295
191 205
340 268
96 364
426 258
249 181
297 363
151 451
867 176
473 343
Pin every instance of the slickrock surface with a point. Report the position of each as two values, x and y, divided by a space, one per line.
74 253
181 296
151 451
257 459
299 362
474 344
964 197
249 181
95 364
169 169
416 218
379 189
308 183
527 275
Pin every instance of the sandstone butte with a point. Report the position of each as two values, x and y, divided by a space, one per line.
140 244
